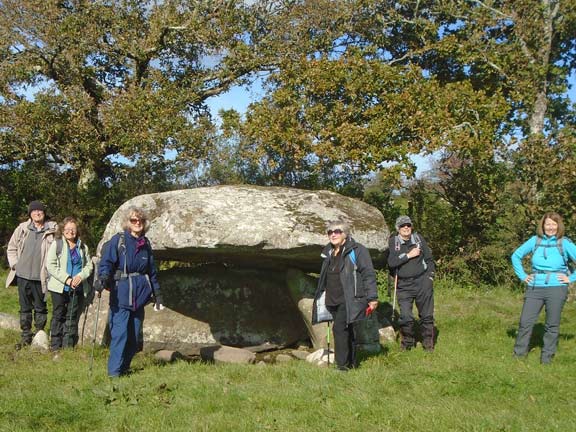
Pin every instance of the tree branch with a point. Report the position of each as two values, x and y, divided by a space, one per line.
496 11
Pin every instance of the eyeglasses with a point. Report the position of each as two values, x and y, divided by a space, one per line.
336 231
70 231
406 225
136 221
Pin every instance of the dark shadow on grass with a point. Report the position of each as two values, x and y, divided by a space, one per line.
363 356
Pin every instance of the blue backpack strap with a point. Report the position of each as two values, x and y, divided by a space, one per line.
352 256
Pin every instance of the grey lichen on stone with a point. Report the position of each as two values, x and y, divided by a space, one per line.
254 226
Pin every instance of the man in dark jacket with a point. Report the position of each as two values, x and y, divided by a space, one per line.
348 282
412 265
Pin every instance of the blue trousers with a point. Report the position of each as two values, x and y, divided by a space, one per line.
552 299
125 338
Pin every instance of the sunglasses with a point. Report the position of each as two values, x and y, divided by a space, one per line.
406 225
135 221
336 231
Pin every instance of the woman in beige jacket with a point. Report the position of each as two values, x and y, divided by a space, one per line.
69 266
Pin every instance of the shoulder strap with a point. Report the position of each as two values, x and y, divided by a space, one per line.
563 253
59 246
416 239
122 246
537 244
121 242
397 243
84 250
559 244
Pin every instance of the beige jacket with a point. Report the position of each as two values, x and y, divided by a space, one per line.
16 244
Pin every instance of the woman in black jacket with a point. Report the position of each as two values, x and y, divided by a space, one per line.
348 286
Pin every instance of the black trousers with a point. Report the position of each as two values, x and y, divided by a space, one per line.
66 309
344 338
420 291
31 298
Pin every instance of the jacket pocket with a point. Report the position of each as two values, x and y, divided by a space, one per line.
359 291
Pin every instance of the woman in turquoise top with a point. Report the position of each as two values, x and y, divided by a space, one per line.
547 283
69 267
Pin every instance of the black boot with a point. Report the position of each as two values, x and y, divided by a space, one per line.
26 327
407 337
427 336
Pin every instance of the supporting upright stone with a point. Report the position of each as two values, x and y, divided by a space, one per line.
302 288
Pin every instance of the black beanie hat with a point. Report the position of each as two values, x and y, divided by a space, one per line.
36 205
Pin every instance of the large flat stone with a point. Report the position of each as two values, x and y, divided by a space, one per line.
256 227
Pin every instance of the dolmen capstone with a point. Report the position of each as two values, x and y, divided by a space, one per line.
235 264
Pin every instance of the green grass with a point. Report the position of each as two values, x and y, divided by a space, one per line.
8 296
471 383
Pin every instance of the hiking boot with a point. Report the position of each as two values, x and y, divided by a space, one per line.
23 343
407 337
428 345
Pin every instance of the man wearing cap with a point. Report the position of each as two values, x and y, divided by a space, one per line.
411 263
26 252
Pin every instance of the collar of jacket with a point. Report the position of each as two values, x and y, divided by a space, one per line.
348 245
49 226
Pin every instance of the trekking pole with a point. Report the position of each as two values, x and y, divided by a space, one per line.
95 329
81 335
394 298
71 306
328 341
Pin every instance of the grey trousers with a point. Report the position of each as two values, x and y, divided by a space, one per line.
552 299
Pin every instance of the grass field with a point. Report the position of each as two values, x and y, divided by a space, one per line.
471 383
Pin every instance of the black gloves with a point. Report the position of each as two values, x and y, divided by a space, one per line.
99 285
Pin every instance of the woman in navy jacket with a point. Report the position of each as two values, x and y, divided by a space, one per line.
127 268
547 283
